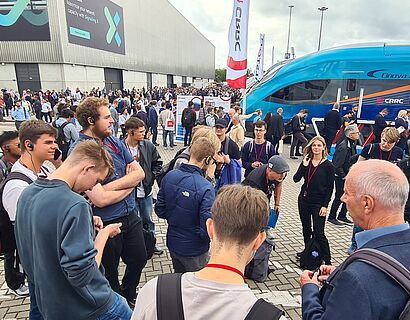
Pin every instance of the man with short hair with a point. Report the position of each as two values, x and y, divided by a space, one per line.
258 116
237 132
188 121
210 117
146 154
375 193
185 200
276 129
19 114
333 122
114 200
10 146
115 117
257 152
153 121
61 254
342 158
386 149
239 215
37 143
298 127
379 124
70 133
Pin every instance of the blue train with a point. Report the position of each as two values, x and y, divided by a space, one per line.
380 72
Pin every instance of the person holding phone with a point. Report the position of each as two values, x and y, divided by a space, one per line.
315 194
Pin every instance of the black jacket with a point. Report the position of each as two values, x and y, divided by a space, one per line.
151 163
188 118
276 126
379 125
343 154
297 124
333 121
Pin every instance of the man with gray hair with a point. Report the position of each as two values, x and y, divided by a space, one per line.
375 193
342 160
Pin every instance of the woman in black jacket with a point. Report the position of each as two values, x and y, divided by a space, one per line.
315 194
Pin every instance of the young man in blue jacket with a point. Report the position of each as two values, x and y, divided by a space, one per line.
185 200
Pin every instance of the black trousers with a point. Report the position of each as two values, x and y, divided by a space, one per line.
275 143
330 135
187 136
14 278
309 212
339 184
129 245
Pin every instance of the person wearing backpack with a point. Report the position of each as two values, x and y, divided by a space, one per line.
67 132
375 195
219 290
188 121
10 146
318 174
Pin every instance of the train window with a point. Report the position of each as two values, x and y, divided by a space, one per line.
351 85
302 91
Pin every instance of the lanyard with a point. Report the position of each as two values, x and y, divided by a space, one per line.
258 157
41 169
225 267
111 146
310 176
138 155
381 155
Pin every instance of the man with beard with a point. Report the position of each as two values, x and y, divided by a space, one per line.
114 199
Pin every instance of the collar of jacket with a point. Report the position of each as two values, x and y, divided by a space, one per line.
191 168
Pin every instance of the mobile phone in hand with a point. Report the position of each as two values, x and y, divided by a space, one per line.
57 154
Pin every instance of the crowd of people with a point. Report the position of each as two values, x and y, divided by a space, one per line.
69 225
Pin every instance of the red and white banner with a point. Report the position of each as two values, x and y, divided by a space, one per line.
238 45
259 59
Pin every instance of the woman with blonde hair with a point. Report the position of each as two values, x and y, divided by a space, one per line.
315 194
402 126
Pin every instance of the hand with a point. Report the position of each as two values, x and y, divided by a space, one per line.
210 171
308 277
325 272
256 164
113 229
98 224
323 212
277 208
226 158
306 161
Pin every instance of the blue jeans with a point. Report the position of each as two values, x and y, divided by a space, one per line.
166 133
118 311
34 311
144 209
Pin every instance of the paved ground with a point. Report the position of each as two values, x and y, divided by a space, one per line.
282 286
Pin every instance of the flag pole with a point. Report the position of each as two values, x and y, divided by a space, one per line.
244 101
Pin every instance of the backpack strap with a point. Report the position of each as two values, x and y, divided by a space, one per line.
169 297
264 310
226 146
384 262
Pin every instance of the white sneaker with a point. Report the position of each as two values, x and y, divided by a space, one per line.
172 148
165 148
22 291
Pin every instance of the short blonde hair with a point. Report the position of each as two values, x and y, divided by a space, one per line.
402 114
206 132
308 148
392 135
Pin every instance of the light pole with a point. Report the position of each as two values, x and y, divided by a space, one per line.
322 9
287 54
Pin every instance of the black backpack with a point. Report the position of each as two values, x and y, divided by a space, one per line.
62 144
169 302
311 258
386 264
7 239
170 165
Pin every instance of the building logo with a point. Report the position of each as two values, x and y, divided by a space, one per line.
23 8
379 74
113 24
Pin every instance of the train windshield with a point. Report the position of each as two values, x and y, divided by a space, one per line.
269 74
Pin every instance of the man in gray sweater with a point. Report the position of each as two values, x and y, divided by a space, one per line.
55 235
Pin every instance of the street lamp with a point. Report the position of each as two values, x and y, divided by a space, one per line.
322 9
287 54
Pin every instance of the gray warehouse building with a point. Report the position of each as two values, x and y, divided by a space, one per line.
57 44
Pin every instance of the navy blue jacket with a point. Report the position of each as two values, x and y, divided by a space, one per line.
152 118
362 291
185 200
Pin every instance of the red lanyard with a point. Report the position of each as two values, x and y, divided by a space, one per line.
381 155
258 157
225 267
111 146
310 176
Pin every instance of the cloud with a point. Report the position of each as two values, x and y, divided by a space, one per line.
345 22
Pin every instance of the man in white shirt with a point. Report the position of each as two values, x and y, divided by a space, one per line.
219 290
37 143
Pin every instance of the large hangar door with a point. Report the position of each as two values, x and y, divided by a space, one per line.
28 76
113 79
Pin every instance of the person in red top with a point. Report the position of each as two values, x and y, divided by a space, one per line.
318 174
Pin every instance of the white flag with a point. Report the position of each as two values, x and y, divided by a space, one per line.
259 60
238 45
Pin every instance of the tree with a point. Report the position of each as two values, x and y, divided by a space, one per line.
220 75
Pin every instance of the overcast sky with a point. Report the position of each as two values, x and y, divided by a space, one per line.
345 22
